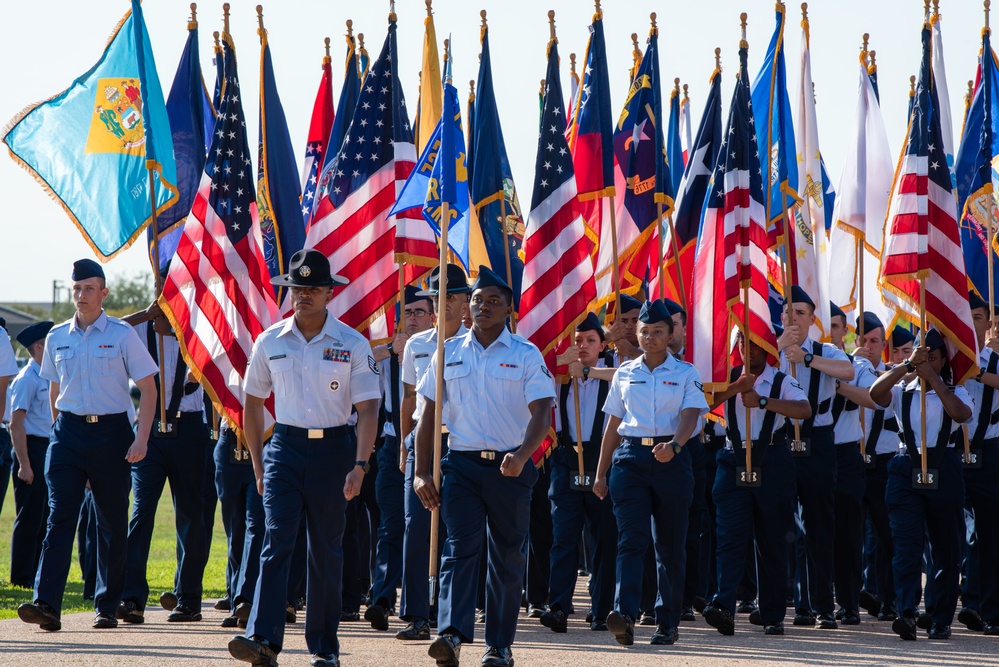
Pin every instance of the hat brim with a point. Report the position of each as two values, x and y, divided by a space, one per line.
433 292
288 280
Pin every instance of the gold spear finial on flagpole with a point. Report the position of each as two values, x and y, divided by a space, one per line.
360 41
936 7
873 67
676 86
685 96
392 16
225 19
327 59
430 10
718 58
596 4
482 15
912 85
218 44
350 29
652 19
804 11
743 18
551 26
193 23
572 63
260 21
634 42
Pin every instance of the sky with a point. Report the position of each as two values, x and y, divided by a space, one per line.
45 47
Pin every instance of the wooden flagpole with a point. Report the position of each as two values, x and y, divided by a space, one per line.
745 367
922 382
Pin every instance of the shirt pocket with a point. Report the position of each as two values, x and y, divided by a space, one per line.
105 359
669 396
282 376
65 361
457 383
506 384
334 376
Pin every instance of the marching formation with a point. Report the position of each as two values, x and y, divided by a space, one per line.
410 402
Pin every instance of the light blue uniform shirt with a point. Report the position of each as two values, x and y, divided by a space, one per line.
649 401
589 391
415 360
29 392
827 383
975 390
316 382
8 367
92 367
194 402
790 390
489 390
934 412
847 427
888 441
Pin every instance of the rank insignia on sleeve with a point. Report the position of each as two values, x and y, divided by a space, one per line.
372 364
700 387
544 369
333 354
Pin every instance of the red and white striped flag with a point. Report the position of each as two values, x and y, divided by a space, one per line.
922 239
558 270
731 248
217 294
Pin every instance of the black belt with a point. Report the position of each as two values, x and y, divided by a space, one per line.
312 433
646 442
486 457
37 439
94 419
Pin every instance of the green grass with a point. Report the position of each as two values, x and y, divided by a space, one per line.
160 568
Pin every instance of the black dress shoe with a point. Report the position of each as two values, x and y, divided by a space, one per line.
720 619
756 618
536 610
129 612
938 631
377 616
290 615
498 656
687 614
971 620
229 622
168 601
224 604
648 618
699 604
40 614
851 617
184 614
924 622
417 630
555 619
746 607
870 603
887 613
257 652
324 660
840 613
105 620
350 616
664 636
774 630
904 628
991 629
598 625
242 611
446 650
827 622
804 619
589 617
622 627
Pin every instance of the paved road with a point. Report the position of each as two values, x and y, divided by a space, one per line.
160 643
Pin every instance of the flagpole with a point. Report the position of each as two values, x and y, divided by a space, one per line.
660 261
922 382
579 432
159 290
745 366
861 241
672 228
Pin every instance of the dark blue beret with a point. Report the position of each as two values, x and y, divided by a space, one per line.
413 295
653 312
901 336
629 303
590 323
872 322
487 278
33 333
976 301
86 268
835 311
799 295
933 340
673 307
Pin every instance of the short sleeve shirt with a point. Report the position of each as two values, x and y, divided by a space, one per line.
649 402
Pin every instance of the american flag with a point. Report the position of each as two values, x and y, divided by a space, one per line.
319 132
558 271
217 294
731 249
922 240
352 226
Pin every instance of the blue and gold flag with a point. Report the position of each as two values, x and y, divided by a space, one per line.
90 145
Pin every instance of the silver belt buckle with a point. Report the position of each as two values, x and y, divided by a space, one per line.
488 455
315 434
90 419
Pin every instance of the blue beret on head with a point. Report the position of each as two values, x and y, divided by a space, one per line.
653 312
413 295
901 336
488 278
835 311
33 333
673 307
976 301
799 295
590 323
86 268
872 322
933 340
629 303
457 283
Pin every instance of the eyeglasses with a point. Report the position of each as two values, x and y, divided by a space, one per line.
417 312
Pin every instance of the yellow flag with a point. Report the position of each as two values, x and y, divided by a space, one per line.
431 89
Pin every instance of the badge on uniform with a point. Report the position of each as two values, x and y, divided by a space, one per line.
544 369
334 385
332 354
372 364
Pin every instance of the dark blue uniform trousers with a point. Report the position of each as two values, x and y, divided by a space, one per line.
86 544
242 518
414 602
178 459
879 578
390 493
32 508
6 461
982 485
849 534
303 475
694 578
766 512
571 511
477 500
916 514
643 488
80 452
816 483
